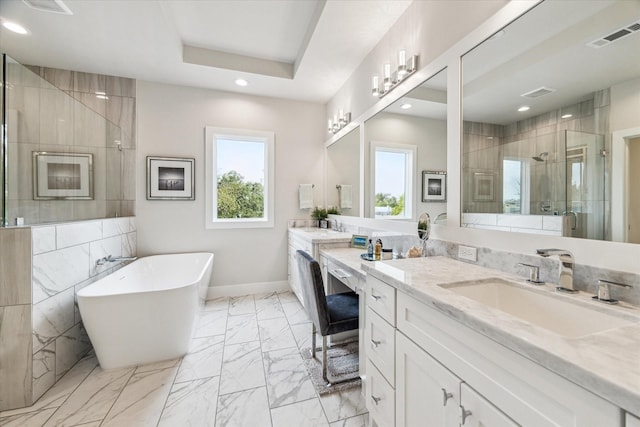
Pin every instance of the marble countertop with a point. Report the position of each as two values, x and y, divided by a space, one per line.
605 363
321 235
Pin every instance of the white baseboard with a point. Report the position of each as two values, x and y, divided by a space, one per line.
247 289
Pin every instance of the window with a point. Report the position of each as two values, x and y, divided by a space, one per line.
515 185
239 178
393 172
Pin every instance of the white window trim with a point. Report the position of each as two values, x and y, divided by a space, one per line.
211 195
410 177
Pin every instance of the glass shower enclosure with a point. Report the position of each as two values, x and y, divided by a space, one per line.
61 159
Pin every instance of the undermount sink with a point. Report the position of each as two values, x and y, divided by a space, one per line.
567 318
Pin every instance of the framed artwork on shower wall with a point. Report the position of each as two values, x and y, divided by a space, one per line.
434 186
483 184
170 178
62 176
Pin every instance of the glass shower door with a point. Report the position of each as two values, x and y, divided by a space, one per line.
585 166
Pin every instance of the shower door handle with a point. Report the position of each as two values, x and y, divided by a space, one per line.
575 218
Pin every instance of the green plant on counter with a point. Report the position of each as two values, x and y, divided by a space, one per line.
319 213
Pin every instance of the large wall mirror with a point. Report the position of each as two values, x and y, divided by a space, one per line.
551 123
343 174
406 155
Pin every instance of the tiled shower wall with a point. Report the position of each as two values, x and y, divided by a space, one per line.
41 333
15 317
62 111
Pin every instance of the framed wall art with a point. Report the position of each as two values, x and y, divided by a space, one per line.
170 178
434 186
62 176
483 184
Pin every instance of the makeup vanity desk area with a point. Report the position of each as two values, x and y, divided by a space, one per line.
426 352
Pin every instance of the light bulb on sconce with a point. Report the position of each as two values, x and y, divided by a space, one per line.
375 85
402 64
387 77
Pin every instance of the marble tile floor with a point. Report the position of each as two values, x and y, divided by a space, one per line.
243 369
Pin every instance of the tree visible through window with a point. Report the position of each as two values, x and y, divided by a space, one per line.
239 169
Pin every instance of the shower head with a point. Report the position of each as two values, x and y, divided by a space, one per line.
541 157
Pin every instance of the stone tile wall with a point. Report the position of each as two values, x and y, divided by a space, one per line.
41 270
15 317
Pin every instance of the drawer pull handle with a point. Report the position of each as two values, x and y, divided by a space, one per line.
445 397
375 297
376 400
375 343
464 413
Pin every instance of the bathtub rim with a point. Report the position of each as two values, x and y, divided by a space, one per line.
82 293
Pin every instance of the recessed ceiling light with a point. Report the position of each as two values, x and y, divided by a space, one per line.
241 82
566 116
406 106
15 27
524 108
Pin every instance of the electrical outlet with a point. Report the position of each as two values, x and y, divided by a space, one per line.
467 253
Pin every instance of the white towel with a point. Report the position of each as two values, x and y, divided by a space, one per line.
346 196
306 196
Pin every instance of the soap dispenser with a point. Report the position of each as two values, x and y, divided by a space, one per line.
370 249
378 249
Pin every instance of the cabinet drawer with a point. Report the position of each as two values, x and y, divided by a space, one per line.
380 345
382 299
380 398
345 276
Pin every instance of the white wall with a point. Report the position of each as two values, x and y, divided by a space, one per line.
429 135
171 122
625 104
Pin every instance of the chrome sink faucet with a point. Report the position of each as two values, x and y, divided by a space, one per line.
565 278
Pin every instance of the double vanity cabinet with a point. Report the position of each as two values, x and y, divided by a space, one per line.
435 358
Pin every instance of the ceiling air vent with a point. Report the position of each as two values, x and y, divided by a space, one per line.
615 35
54 6
537 93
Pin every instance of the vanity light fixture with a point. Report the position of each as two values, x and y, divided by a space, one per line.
241 82
524 108
391 78
339 121
15 27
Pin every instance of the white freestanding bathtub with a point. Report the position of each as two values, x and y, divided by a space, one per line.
145 311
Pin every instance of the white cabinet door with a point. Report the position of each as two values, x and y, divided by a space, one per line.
427 394
380 398
476 411
632 421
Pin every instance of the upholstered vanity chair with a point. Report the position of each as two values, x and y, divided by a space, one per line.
330 314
